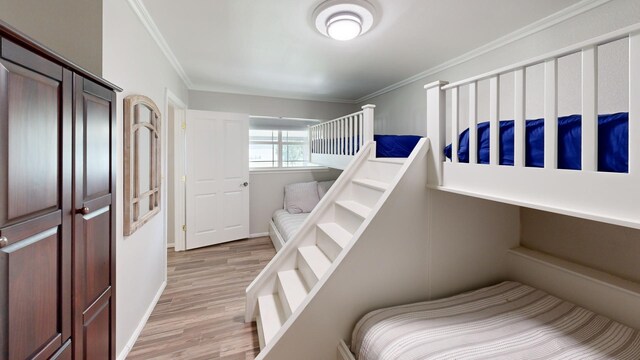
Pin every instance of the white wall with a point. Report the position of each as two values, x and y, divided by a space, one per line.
267 192
267 188
403 111
268 106
133 61
72 28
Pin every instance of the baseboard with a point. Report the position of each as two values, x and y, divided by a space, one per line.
256 235
170 245
134 337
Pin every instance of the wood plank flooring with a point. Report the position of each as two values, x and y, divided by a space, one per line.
200 315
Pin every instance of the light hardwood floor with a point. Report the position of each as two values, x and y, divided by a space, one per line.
200 315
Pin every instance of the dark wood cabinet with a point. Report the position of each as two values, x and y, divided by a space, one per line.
57 206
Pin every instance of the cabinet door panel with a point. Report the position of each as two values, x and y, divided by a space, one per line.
97 123
94 231
97 334
33 293
35 206
97 254
30 112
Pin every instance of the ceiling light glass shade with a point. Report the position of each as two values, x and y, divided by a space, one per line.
343 27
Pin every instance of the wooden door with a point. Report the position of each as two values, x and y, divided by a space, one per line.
94 240
217 167
35 204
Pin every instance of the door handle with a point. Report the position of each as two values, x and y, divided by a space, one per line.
245 184
3 241
83 211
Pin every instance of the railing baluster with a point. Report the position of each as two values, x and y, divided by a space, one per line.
519 126
634 103
473 123
551 114
455 118
494 120
590 109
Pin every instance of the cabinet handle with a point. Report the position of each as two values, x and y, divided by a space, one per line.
245 184
83 211
3 241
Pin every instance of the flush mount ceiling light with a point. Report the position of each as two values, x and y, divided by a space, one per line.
343 19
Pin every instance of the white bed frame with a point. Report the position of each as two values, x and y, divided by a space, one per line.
608 197
276 237
328 145
605 294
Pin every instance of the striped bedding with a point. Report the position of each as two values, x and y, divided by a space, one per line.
504 321
288 224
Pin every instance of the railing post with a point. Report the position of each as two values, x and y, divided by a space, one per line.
436 127
367 112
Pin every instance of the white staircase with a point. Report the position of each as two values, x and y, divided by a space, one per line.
290 280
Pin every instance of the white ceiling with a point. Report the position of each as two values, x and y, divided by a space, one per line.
271 47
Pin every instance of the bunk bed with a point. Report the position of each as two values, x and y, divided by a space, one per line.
334 143
585 165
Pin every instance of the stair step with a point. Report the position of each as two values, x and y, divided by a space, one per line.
389 160
372 184
292 290
331 238
271 318
312 263
355 207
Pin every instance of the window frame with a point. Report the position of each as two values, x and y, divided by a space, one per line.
280 145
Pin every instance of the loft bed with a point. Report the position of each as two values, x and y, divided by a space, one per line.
334 143
585 165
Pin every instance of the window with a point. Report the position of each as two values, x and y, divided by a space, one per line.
278 148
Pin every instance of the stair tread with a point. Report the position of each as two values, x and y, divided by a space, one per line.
389 160
294 288
271 316
336 232
370 183
355 207
316 259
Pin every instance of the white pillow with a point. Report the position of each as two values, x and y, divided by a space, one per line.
323 187
301 197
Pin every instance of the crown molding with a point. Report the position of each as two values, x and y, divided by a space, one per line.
533 28
145 18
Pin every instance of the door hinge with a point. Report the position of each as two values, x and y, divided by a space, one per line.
183 178
184 228
184 125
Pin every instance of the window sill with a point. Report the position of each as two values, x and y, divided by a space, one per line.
288 170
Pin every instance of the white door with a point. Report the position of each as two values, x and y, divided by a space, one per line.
217 163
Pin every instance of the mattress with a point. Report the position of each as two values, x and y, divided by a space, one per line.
288 224
613 143
504 321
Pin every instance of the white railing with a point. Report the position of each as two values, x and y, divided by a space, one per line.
589 53
588 193
332 141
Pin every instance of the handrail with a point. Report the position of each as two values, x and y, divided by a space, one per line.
344 135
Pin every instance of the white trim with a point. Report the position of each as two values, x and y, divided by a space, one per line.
134 337
533 28
257 235
171 245
145 18
343 351
595 290
179 243
277 170
276 237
